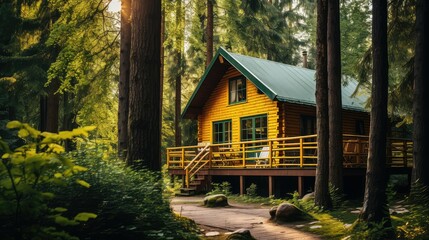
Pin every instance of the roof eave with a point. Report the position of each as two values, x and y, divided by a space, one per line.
311 103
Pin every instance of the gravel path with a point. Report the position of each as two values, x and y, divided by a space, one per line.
252 217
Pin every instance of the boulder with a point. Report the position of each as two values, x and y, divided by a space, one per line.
287 212
273 211
217 200
308 197
240 234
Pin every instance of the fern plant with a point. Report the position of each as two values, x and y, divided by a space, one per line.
417 222
24 210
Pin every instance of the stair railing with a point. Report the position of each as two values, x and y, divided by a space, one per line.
189 169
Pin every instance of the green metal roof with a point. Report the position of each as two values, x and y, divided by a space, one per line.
278 81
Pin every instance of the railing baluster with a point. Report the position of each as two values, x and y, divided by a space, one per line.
404 152
301 152
270 154
183 157
243 149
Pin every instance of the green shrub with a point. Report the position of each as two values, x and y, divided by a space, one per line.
172 185
221 188
375 231
129 203
336 196
251 190
26 211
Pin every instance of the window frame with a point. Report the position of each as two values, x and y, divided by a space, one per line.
304 120
360 127
233 82
253 127
223 132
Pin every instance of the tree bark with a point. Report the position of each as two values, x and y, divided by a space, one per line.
334 96
144 86
375 209
421 95
178 80
161 74
52 106
321 188
209 32
43 106
69 120
124 76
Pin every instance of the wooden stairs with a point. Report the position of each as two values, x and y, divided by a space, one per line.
198 184
197 178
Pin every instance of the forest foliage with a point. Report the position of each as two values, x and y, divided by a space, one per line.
77 44
59 68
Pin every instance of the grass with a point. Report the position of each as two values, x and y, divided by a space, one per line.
335 224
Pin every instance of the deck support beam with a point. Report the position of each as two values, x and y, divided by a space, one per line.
270 185
241 185
301 186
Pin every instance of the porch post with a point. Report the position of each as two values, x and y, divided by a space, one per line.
241 185
270 185
301 186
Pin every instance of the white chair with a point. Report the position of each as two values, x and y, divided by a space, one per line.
262 160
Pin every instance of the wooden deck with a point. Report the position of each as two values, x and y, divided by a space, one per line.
290 153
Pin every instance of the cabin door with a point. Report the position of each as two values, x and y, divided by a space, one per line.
308 125
252 129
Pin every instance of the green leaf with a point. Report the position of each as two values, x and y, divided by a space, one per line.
89 128
33 132
63 221
83 183
22 133
13 124
84 216
48 195
60 209
79 168
58 175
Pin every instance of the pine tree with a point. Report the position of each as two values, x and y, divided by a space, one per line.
375 208
144 100
321 188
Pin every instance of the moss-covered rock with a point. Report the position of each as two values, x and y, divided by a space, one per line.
240 234
308 197
217 200
287 212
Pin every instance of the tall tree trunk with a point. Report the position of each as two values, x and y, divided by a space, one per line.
69 120
52 106
321 188
334 96
43 106
209 32
178 80
124 76
144 86
421 95
375 209
161 74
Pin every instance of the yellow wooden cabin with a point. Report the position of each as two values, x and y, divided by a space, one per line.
257 118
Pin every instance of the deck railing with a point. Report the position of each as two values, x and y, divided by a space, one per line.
297 152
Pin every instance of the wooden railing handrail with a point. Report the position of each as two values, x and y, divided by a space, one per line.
289 151
197 156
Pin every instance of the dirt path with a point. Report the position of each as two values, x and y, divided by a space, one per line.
252 217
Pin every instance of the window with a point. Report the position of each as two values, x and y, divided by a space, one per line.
308 125
222 132
360 127
237 90
254 128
